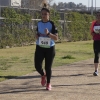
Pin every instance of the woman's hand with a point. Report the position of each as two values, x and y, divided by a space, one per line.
46 31
52 36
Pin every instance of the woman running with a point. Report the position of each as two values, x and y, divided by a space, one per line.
45 46
95 32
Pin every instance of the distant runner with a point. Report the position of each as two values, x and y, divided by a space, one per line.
95 32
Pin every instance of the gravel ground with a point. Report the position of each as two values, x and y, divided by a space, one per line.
69 82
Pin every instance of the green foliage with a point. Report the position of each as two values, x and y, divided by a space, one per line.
20 59
6 39
55 17
79 27
17 31
16 28
68 57
11 16
4 65
26 18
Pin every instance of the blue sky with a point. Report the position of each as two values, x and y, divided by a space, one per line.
84 2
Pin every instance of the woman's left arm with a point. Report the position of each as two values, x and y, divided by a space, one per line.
52 36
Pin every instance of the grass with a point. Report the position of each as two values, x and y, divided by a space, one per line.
20 60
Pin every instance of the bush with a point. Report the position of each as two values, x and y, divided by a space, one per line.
79 26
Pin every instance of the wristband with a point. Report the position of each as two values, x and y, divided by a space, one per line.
48 34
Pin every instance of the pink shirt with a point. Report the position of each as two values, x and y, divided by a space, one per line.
96 36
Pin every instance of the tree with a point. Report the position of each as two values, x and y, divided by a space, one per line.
54 6
35 4
70 5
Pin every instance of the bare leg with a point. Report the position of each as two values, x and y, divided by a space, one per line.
96 66
96 69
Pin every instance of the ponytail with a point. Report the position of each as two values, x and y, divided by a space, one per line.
45 7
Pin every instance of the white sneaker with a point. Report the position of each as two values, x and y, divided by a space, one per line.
95 73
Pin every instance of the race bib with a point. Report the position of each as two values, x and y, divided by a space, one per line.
97 29
44 42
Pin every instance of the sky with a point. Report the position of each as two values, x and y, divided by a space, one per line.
84 2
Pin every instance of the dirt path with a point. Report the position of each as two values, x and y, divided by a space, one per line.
69 82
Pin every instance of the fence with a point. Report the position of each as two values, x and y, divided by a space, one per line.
13 34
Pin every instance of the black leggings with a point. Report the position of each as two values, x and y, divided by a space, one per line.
47 54
96 47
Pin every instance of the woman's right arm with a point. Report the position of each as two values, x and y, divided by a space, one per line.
91 28
37 35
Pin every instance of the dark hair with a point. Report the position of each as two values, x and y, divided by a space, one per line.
45 8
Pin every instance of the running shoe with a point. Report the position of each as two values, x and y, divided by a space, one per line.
95 73
48 86
43 80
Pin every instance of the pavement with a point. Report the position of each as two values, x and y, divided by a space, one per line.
69 82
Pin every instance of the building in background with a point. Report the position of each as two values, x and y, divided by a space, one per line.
4 3
9 3
33 4
14 3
